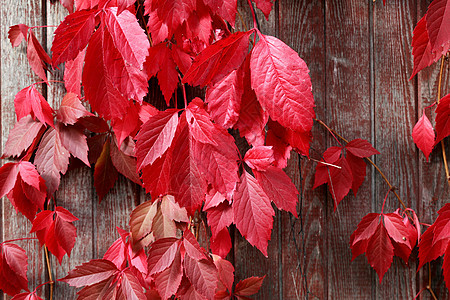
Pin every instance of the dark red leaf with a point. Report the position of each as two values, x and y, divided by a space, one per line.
125 164
380 251
105 174
71 109
358 168
361 148
265 6
443 119
366 228
13 268
226 9
248 286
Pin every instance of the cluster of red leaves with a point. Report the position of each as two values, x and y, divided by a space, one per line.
431 41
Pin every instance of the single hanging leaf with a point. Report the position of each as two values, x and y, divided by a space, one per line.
423 135
155 137
71 109
218 60
17 33
105 174
13 269
90 273
438 24
73 71
37 57
380 251
282 84
253 213
265 6
52 158
443 119
22 136
248 286
72 36
30 101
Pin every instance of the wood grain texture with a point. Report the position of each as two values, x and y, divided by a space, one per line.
15 75
395 116
348 110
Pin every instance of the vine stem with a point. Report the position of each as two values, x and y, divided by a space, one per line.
429 283
49 269
19 239
391 187
255 25
444 155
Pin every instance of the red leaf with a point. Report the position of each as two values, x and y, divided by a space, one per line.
226 9
221 243
146 111
182 59
380 251
423 135
71 109
68 4
128 125
282 84
428 250
248 286
438 24
30 101
220 217
37 57
73 71
116 253
65 233
90 273
162 254
443 119
126 165
72 36
8 177
279 188
156 177
358 167
259 158
265 6
51 159
341 181
99 88
397 230
141 220
423 55
168 281
22 136
212 199
13 267
192 246
105 174
157 28
446 267
130 287
155 137
26 296
281 149
173 13
365 230
74 140
200 126
225 271
202 274
17 33
218 60
171 210
224 99
361 148
253 213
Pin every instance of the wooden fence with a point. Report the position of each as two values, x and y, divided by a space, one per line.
360 59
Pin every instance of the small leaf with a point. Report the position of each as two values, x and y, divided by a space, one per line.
248 286
90 273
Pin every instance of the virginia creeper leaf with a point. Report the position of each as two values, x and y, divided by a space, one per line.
380 251
22 136
30 101
423 135
90 273
141 220
17 33
162 254
202 274
259 158
248 286
13 269
37 57
443 119
71 109
73 71
438 24
105 174
168 281
265 6
125 164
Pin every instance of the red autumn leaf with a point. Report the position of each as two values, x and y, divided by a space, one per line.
248 286
423 55
198 26
13 269
8 176
201 128
17 33
26 296
128 125
380 251
220 217
99 88
157 28
105 174
173 13
163 227
259 158
358 167
221 243
253 214
182 59
281 148
192 246
171 210
30 101
361 148
72 36
125 164
212 199
438 24
90 273
202 274
226 9
168 281
155 137
52 158
446 267
218 60
73 71
224 99
397 230
265 6
423 135
162 254
22 136
366 228
117 253
141 220
37 57
443 119
146 111
71 109
282 84
156 177
130 287
279 188
74 140
94 124
68 4
340 180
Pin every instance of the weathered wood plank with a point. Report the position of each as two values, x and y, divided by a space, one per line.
348 110
15 75
395 115
304 264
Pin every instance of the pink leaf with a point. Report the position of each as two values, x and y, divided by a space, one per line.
202 274
17 33
220 217
90 273
22 136
74 140
162 254
259 158
423 135
71 109
8 177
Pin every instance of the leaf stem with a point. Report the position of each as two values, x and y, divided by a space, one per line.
49 269
391 187
19 239
42 284
384 202
429 283
325 163
332 132
444 155
255 24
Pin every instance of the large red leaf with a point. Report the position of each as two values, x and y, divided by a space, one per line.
218 60
443 119
438 24
30 101
248 286
253 213
51 159
282 84
90 273
155 137
13 269
279 188
162 254
105 174
22 136
366 228
202 274
168 281
72 36
423 135
71 109
73 71
380 251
